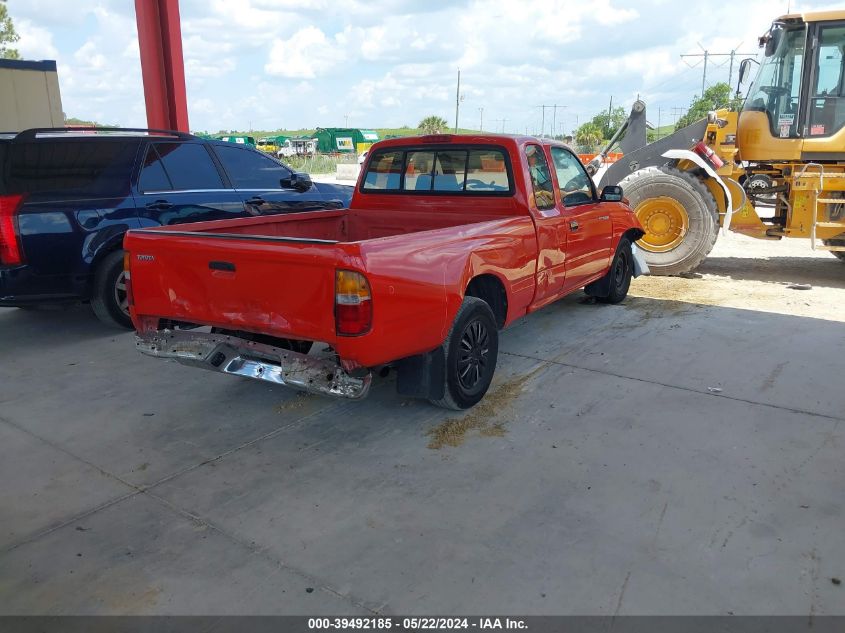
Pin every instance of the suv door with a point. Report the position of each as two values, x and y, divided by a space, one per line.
258 179
179 182
589 229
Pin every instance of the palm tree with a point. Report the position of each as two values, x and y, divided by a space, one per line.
588 137
432 125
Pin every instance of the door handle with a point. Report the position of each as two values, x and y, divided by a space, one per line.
159 205
256 200
573 225
603 217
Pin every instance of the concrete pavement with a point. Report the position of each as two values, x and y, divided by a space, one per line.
654 457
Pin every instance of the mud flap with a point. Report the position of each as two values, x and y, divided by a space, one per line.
640 265
422 376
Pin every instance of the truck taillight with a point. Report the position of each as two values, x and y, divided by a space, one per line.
353 303
10 248
130 298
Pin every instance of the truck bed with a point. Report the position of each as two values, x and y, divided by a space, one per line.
276 275
341 226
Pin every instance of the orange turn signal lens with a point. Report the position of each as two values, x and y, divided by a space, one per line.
353 303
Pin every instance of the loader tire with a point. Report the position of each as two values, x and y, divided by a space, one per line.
678 214
839 240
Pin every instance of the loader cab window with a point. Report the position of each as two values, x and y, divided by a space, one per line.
827 101
777 88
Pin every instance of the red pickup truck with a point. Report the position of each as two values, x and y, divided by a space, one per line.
447 240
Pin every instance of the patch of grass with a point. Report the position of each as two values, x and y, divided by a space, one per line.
482 416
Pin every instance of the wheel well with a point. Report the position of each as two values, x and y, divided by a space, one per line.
97 261
633 234
490 289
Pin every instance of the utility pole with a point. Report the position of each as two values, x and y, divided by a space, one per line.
481 120
457 100
659 110
707 56
346 120
503 125
543 122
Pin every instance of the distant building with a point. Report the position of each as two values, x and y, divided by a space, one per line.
29 95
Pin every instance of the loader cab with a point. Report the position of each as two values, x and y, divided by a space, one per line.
795 108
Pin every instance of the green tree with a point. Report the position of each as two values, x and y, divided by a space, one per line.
715 97
432 125
589 137
8 35
609 121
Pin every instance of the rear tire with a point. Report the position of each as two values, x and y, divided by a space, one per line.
108 299
620 273
679 215
471 349
837 241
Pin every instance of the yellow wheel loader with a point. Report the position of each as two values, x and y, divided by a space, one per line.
775 169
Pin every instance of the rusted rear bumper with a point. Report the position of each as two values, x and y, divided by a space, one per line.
239 357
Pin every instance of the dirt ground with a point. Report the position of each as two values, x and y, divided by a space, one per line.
743 272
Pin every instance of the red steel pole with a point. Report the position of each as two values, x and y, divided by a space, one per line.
162 66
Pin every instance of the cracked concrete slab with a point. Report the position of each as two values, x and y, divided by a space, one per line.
599 476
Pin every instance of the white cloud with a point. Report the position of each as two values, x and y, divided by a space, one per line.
35 41
305 55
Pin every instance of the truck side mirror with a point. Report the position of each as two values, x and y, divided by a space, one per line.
611 193
300 182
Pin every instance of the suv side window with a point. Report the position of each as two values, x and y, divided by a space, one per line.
248 169
187 166
153 177
575 185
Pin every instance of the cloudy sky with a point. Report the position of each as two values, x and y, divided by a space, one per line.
268 64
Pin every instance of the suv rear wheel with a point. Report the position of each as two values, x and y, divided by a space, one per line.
109 299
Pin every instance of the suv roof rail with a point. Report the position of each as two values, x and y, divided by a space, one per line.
32 133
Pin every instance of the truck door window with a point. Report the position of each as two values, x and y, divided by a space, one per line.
384 172
575 184
418 168
189 166
827 102
450 171
487 171
541 179
248 169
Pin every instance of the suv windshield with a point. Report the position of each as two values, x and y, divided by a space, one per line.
777 88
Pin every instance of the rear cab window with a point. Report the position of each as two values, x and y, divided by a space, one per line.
441 170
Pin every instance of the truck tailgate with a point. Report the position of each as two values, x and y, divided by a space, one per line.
275 286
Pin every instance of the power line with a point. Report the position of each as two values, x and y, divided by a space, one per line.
706 56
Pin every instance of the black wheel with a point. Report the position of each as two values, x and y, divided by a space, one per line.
837 241
109 299
620 273
679 216
471 350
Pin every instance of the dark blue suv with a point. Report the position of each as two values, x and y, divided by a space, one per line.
67 196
